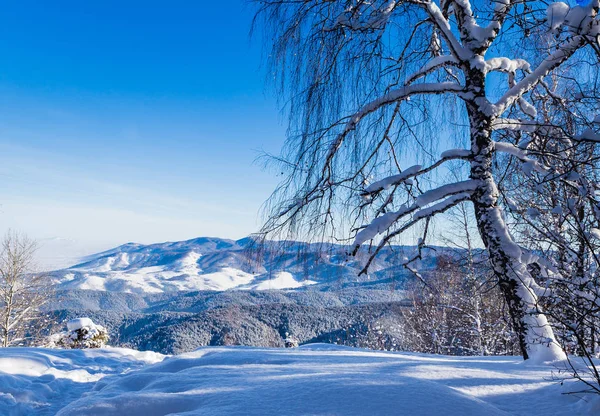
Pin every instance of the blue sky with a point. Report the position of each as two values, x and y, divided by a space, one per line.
132 121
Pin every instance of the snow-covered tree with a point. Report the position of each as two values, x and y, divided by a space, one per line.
81 333
22 290
558 222
371 84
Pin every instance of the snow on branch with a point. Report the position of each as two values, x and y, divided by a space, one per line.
531 80
382 223
546 268
511 149
514 124
507 65
414 171
510 67
360 18
433 210
556 14
579 19
455 154
475 37
501 10
588 135
556 132
442 24
468 26
385 183
527 107
447 190
432 65
442 206
548 130
520 154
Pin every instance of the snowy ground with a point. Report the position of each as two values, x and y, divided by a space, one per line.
317 379
38 381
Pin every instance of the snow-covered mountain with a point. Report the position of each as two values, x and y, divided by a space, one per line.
220 264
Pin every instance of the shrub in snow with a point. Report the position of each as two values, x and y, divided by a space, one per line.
81 333
291 342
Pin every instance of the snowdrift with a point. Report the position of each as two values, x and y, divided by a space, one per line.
316 379
40 381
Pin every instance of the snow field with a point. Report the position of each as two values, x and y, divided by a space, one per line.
317 379
39 381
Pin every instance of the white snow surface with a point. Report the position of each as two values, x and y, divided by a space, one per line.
40 381
279 280
316 379
78 323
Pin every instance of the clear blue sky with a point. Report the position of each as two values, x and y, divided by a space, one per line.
132 120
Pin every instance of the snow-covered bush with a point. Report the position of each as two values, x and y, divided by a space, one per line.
291 341
81 333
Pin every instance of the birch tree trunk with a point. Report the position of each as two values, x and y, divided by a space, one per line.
536 338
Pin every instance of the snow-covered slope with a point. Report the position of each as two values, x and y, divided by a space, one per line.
316 379
218 264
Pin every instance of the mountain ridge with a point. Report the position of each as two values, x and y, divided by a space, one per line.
212 263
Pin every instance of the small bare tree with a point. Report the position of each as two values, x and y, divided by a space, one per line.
22 292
